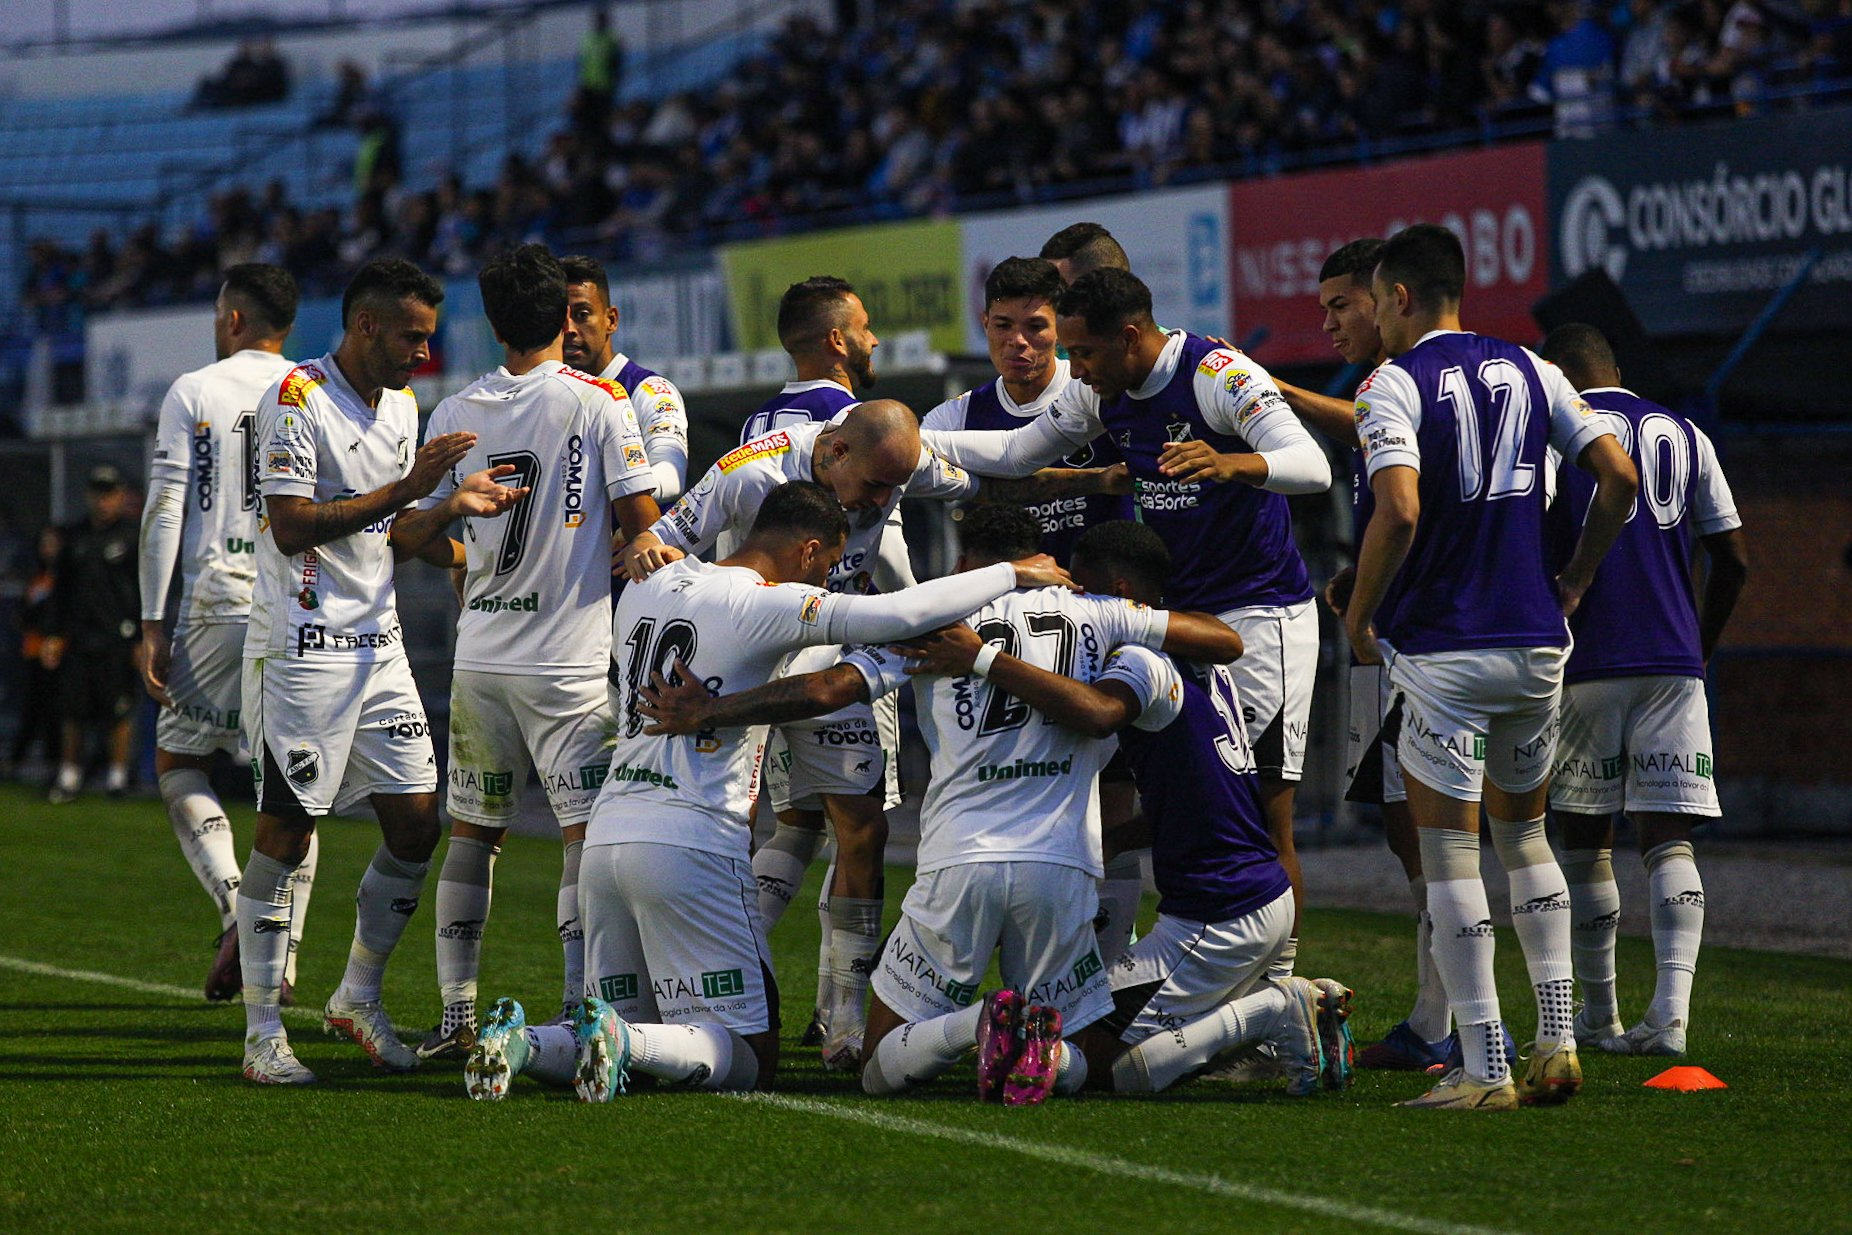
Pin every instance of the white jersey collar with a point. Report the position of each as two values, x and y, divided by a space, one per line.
1435 334
341 388
1163 370
618 361
1042 402
1608 390
798 388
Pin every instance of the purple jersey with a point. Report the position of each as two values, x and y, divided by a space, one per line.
1211 854
632 376
1639 616
1476 418
1064 519
1233 543
799 403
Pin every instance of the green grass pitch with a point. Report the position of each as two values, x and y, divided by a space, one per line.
121 1108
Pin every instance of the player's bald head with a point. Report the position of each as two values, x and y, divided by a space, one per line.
884 429
1583 354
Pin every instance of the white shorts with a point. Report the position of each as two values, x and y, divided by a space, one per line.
325 734
1372 773
1181 969
1273 680
1468 716
849 753
204 679
1636 744
1038 916
500 722
672 937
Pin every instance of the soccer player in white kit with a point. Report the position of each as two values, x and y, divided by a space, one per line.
1636 724
1010 830
201 515
534 636
331 714
1456 432
674 941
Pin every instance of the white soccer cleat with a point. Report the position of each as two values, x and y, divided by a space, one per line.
843 1055
1457 1091
1552 1075
271 1061
1246 1065
368 1025
1589 1033
1647 1038
1296 1042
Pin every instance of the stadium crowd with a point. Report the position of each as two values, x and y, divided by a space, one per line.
943 105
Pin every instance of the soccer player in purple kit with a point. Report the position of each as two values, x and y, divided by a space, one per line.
1213 450
1455 434
1636 726
824 327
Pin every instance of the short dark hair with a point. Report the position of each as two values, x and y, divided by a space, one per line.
809 310
1357 259
391 278
1089 246
524 296
1014 278
1106 300
802 508
1578 349
268 294
999 531
1426 259
1126 548
582 269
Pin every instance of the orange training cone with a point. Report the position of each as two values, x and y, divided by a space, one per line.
1685 1078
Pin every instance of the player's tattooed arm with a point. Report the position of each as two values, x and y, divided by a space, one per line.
298 524
1096 710
683 705
479 495
1052 483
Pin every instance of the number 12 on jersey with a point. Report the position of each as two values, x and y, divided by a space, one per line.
1507 397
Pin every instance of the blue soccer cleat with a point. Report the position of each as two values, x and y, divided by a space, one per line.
1404 1050
604 1052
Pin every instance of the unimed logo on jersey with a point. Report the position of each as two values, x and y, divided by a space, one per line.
574 500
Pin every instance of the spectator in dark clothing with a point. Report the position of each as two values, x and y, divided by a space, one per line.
256 74
91 633
37 704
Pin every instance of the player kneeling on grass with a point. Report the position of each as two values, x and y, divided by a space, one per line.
1196 986
1009 849
673 940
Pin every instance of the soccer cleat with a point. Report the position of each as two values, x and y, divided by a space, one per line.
818 1031
61 795
457 1044
844 1055
1647 1038
1588 1033
1404 1050
1297 1041
1247 1064
1457 1091
1032 1077
368 1025
1336 1049
499 1054
999 1041
271 1061
1551 1077
226 979
604 1052
1456 1054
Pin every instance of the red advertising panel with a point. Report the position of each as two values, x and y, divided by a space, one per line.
1284 227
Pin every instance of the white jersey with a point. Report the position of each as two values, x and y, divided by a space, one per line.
1009 784
206 441
317 439
663 415
722 506
949 416
538 593
735 630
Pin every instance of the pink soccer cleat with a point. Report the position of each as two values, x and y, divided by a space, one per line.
999 1042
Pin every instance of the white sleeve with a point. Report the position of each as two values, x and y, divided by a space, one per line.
1153 679
1072 421
161 523
1714 507
437 426
620 443
893 568
1388 417
1238 397
901 615
663 414
939 479
721 500
949 416
286 435
1573 423
884 670
1121 622
173 435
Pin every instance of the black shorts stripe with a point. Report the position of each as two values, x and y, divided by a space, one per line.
279 798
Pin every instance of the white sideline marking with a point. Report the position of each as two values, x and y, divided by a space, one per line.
1105 1164
135 984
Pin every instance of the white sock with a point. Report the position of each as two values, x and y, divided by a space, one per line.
1070 1071
921 1050
1430 1017
1676 895
826 987
70 777
263 941
1282 966
299 902
552 1054
855 936
571 925
1463 943
1120 893
1595 904
464 892
700 1056
387 899
205 837
116 779
1163 1059
1540 915
779 868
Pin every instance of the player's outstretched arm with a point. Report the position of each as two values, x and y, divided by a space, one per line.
1201 637
1335 418
1723 583
1052 483
1097 711
1385 546
1617 484
298 524
685 706
479 495
1016 452
901 615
